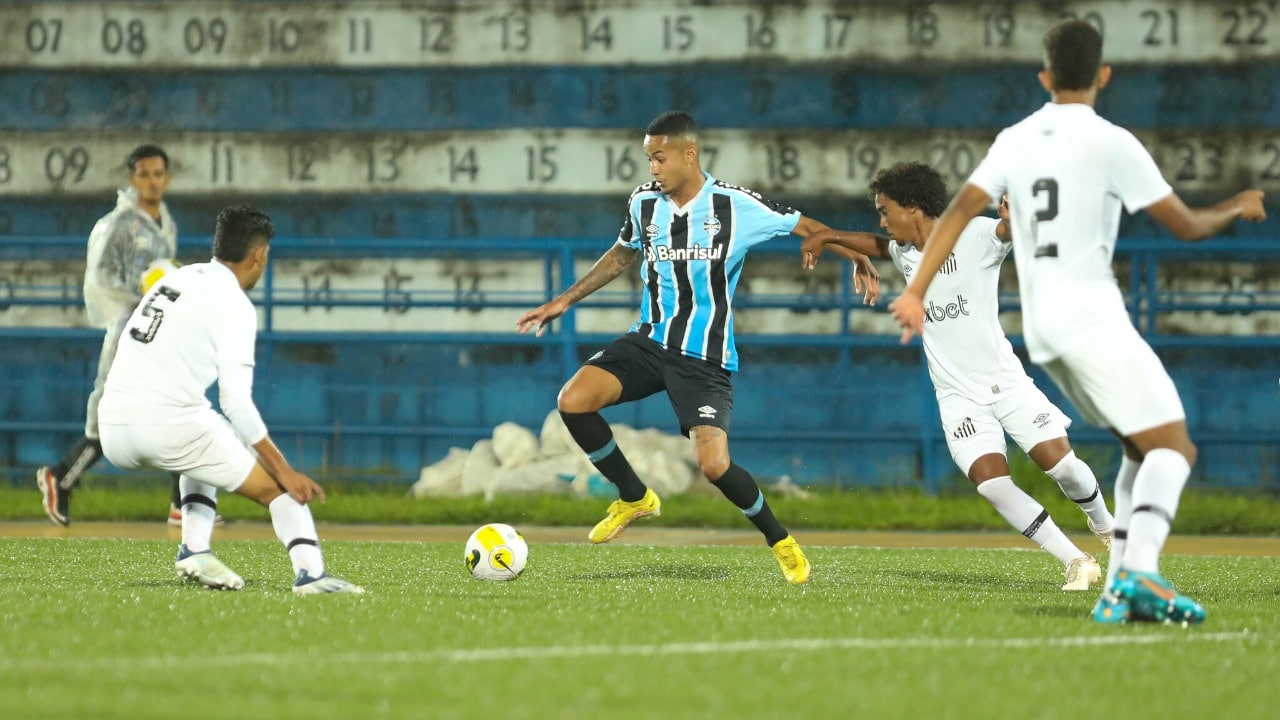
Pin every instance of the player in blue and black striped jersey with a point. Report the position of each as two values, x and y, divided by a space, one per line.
690 234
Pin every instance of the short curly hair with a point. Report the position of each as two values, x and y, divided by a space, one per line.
912 185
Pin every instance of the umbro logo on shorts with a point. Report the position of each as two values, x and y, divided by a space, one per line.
1041 420
707 411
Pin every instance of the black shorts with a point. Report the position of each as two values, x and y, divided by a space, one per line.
700 392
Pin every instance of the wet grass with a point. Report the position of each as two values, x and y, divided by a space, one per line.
102 629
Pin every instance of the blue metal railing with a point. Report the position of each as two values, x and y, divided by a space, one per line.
1145 257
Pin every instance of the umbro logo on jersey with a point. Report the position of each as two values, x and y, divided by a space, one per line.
707 411
907 269
965 430
934 312
651 231
711 225
1041 420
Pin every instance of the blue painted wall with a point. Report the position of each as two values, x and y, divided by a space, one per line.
385 410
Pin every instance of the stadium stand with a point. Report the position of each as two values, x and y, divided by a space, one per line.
434 168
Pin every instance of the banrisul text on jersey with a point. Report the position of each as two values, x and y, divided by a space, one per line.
693 257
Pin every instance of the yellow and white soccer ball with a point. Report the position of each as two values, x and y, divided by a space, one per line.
496 552
156 270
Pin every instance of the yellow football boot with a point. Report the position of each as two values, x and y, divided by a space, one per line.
795 566
622 513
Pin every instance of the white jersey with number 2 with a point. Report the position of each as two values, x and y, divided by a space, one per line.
1067 172
194 328
967 350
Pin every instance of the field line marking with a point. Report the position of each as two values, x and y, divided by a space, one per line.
479 655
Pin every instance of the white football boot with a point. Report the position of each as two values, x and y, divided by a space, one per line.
304 584
206 569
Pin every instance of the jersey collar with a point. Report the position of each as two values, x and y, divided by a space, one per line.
707 182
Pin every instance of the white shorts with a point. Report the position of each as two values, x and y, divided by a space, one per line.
1116 381
205 449
974 429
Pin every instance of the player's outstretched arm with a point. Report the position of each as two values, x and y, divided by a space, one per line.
814 236
1193 224
908 309
610 265
869 244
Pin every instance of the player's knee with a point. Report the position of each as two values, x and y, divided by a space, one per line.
578 398
570 400
1190 452
259 486
263 495
713 465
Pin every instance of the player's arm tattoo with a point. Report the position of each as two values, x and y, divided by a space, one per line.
610 265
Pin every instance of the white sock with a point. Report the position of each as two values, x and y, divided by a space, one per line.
1028 517
295 528
1124 509
1078 482
1156 491
197 515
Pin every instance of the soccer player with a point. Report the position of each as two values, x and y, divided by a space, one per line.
982 389
128 242
1067 171
194 327
690 234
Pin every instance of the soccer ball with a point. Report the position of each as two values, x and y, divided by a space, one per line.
496 552
156 270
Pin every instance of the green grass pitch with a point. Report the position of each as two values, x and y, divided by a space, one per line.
103 629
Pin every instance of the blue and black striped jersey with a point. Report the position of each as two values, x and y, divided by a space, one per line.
691 259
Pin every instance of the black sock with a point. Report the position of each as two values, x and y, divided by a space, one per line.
175 497
79 458
742 490
593 435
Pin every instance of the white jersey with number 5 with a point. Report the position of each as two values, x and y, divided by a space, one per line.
1067 172
967 350
194 328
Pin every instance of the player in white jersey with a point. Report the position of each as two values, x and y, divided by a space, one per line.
982 389
1067 172
197 326
128 247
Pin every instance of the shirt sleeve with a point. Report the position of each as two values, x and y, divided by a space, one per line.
1134 172
895 256
760 219
628 235
992 174
234 341
994 250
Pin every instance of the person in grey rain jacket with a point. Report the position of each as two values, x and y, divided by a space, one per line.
129 249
